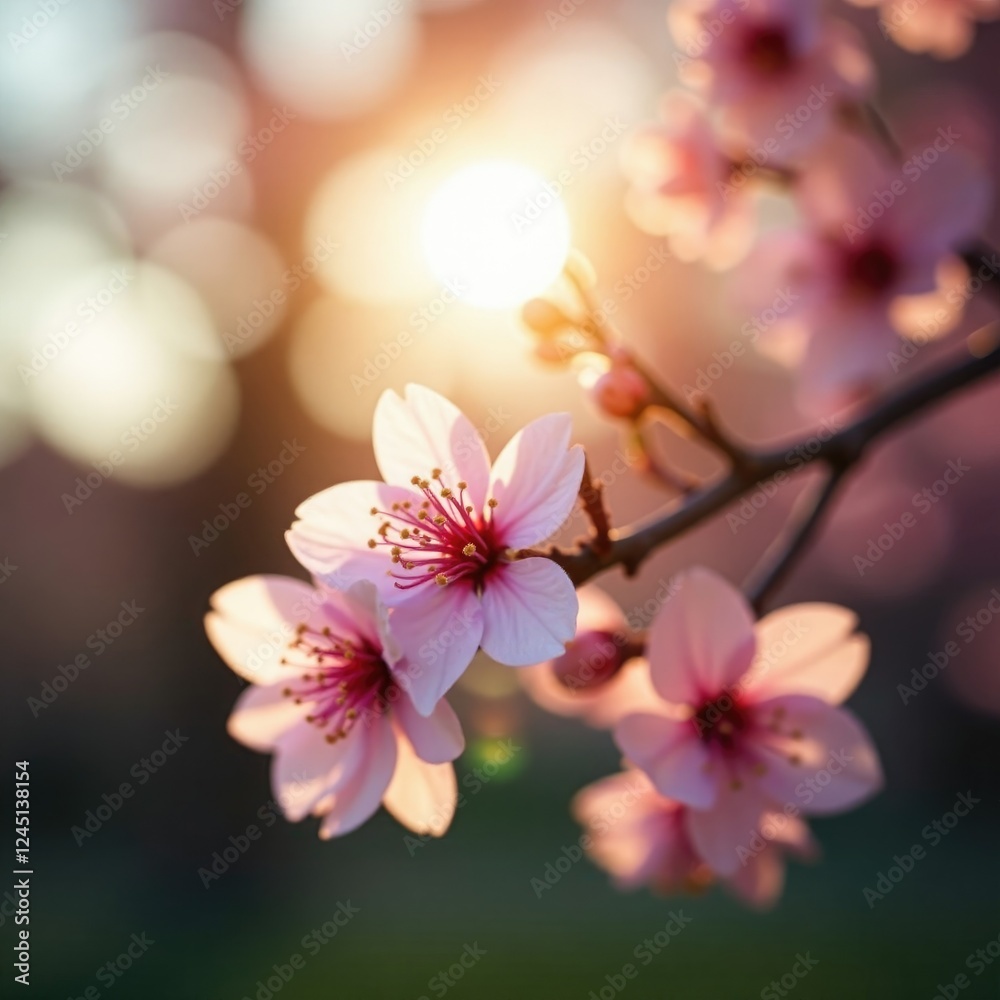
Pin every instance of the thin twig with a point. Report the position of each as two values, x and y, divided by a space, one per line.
783 553
630 547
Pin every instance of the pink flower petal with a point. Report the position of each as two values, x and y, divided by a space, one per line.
266 602
702 642
635 834
356 801
253 654
529 612
808 649
436 738
306 769
820 758
440 628
760 881
536 481
423 432
672 755
719 833
331 536
262 715
421 796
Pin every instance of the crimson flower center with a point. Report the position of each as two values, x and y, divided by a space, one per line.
768 50
343 679
870 271
438 536
721 721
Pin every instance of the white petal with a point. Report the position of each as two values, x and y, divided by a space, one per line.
536 482
423 432
262 715
331 536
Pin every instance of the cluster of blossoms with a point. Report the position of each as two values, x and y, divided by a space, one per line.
412 576
777 93
730 728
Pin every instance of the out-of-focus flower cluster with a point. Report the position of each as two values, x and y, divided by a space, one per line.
778 101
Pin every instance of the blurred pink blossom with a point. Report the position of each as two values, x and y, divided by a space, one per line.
683 185
641 838
761 713
329 698
873 232
778 71
440 538
943 28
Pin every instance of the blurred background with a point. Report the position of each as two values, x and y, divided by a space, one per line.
225 228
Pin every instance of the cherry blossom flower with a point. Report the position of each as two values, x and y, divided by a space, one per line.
685 188
875 235
779 71
642 838
598 678
943 28
762 717
330 699
444 537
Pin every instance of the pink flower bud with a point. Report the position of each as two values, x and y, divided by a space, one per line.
590 660
620 392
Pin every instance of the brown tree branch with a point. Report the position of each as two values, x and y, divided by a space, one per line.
629 547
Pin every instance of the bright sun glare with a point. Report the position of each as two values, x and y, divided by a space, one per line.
495 233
